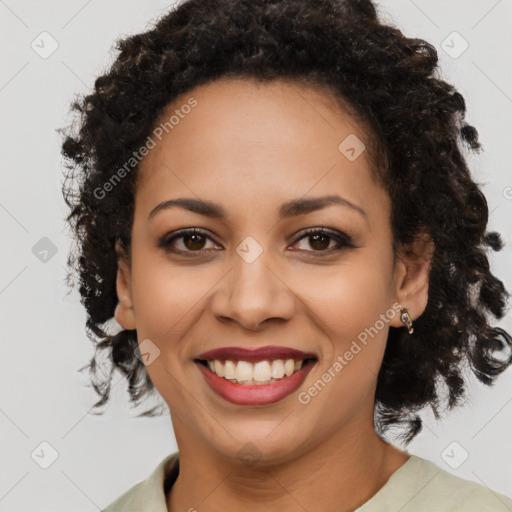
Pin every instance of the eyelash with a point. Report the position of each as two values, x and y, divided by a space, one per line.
341 238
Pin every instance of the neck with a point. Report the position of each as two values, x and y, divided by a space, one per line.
341 474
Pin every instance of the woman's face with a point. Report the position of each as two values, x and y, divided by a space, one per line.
252 278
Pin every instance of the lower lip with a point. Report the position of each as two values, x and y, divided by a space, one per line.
255 395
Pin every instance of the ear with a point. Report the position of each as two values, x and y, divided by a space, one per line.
124 313
411 277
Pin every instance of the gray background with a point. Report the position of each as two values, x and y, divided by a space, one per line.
43 398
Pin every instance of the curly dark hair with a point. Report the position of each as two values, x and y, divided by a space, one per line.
414 121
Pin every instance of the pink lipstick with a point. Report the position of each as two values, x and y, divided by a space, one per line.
214 364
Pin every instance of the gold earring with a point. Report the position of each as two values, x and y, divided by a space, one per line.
406 319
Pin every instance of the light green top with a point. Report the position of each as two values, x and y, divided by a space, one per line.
419 485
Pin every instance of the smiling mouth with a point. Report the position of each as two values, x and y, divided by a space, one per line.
259 373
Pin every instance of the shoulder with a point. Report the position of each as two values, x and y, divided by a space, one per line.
150 492
455 493
421 485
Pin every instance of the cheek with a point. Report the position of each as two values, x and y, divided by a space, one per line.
349 299
167 302
166 299
348 308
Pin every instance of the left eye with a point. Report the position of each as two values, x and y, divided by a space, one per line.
320 239
194 241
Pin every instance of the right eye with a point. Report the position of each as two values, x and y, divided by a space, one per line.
191 241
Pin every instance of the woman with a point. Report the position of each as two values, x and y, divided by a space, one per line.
273 205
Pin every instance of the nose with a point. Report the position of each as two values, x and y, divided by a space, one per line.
252 294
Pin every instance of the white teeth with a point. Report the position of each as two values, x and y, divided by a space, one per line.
219 368
262 372
244 371
278 369
229 370
289 367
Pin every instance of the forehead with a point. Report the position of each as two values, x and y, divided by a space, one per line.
243 138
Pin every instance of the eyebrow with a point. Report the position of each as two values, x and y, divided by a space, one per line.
301 206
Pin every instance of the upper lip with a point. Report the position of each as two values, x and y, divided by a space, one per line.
255 354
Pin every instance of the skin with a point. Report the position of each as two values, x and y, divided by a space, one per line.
251 147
